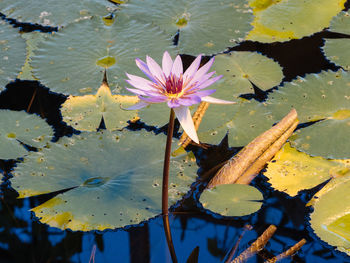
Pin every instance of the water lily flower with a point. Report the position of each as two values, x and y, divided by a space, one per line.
177 88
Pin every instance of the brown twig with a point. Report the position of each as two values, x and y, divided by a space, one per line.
32 100
289 252
258 245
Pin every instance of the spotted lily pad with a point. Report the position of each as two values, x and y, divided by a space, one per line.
85 112
71 61
291 171
19 127
324 97
118 175
243 121
331 217
204 26
337 50
292 19
12 55
241 70
232 199
52 12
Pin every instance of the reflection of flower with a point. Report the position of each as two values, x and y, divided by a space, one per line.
180 90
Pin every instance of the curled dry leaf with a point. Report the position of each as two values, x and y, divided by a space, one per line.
244 166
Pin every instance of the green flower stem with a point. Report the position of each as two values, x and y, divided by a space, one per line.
167 163
169 239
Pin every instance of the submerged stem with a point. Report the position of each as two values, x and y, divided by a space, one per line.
167 163
169 239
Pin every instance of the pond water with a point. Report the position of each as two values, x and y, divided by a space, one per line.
24 239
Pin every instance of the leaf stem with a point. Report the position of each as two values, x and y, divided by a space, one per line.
167 163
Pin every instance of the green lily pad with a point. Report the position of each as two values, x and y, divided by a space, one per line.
341 23
291 171
156 114
232 199
243 121
118 175
72 60
204 26
12 57
32 41
18 127
326 138
324 96
337 50
85 112
292 19
241 70
331 217
52 12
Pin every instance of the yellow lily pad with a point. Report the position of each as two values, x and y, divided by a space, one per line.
331 217
291 19
85 112
291 171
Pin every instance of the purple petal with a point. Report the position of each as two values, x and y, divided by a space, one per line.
173 103
138 105
206 77
191 70
204 93
217 101
167 63
155 69
137 92
190 100
184 116
177 69
201 71
144 68
202 80
209 82
154 99
139 83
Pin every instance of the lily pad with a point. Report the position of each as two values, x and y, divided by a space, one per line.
85 112
331 217
12 57
292 19
32 41
19 127
337 50
71 61
54 13
118 175
326 138
291 171
203 26
241 70
232 199
326 97
243 121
